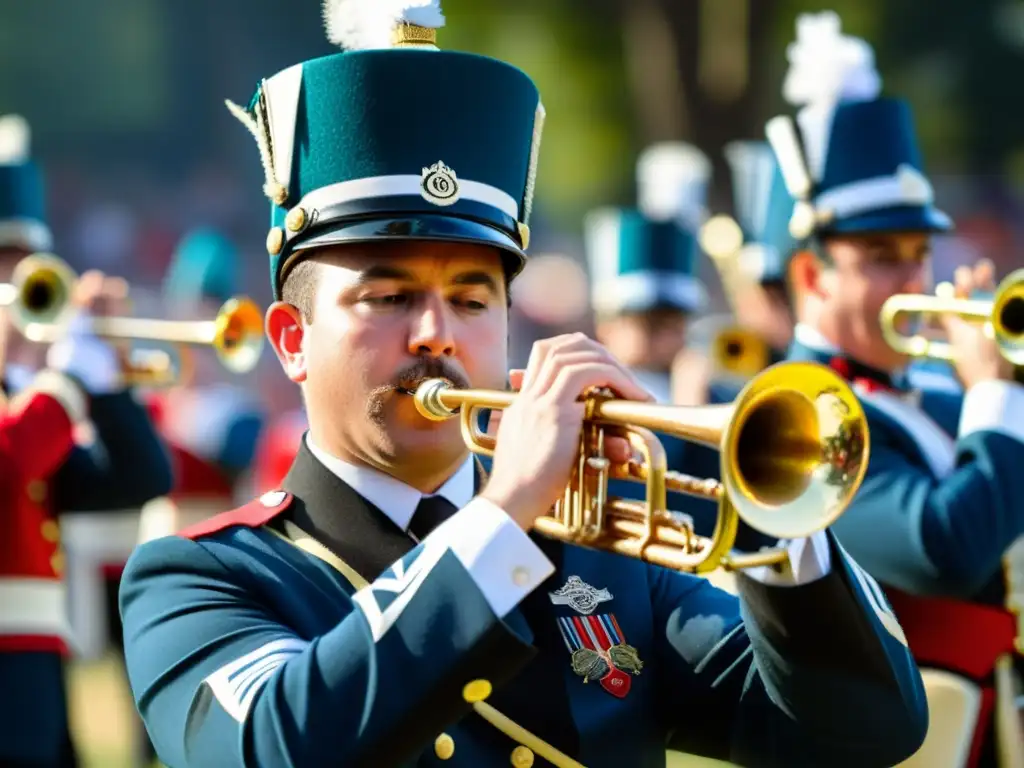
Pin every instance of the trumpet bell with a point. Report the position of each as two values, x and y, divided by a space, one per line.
40 290
739 353
1008 317
795 450
238 334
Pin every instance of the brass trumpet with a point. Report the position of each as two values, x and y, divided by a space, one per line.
1003 316
39 301
794 447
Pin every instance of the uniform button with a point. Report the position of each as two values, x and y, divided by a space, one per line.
522 757
478 690
520 576
444 746
50 531
36 490
57 563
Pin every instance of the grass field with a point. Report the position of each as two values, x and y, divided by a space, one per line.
102 718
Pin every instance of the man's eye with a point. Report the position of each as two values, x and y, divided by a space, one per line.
470 304
394 299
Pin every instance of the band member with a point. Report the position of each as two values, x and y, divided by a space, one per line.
48 474
644 287
645 291
211 425
387 606
751 254
935 514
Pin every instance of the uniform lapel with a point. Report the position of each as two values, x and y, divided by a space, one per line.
327 509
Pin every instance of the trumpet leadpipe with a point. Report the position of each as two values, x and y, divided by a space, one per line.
135 329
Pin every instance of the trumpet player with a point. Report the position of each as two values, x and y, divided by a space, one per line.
47 473
936 511
645 291
643 264
752 259
387 605
212 427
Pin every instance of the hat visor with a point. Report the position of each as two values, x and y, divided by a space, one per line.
901 219
425 227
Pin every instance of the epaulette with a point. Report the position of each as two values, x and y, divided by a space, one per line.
256 513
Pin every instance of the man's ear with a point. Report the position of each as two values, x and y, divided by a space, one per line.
805 275
286 331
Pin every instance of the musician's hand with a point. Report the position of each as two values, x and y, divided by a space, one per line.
975 356
99 295
539 433
79 352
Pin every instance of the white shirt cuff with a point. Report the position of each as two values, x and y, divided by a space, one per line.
810 559
994 406
500 557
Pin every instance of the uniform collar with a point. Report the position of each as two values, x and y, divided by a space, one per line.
811 343
393 497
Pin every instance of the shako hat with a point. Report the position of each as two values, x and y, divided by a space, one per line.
851 159
22 195
644 258
205 265
394 139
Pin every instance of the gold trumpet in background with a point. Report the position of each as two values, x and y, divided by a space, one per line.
1003 316
794 449
39 301
39 291
736 351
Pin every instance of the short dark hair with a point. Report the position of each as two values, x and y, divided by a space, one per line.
299 287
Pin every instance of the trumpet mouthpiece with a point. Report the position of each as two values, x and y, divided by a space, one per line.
428 400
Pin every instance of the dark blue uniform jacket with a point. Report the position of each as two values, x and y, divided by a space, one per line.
246 646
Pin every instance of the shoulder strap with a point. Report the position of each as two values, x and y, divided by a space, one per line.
255 514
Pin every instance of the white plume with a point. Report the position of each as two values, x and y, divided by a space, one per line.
358 25
826 66
672 181
15 140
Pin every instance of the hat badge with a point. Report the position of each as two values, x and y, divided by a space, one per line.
440 185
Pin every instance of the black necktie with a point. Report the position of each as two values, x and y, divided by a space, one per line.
430 513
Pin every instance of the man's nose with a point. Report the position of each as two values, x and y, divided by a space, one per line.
431 332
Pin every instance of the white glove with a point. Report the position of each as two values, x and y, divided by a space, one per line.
87 358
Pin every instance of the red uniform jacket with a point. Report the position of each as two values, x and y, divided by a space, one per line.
36 436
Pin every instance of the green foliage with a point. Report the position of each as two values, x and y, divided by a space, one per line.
576 61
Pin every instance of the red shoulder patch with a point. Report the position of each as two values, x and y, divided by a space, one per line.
254 514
